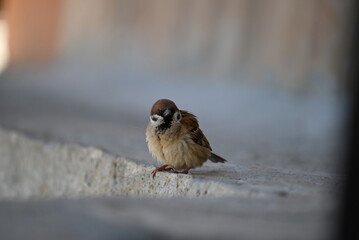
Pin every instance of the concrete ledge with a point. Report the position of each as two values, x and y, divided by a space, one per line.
253 207
31 168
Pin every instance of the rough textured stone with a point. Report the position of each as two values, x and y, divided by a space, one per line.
35 169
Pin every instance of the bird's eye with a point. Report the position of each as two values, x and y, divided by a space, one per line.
154 118
178 116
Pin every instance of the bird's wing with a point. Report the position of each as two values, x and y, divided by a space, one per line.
190 122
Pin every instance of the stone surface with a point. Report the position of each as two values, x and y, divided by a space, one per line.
65 135
117 218
33 169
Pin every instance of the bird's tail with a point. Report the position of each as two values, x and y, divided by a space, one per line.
215 158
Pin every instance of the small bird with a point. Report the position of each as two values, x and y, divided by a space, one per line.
174 138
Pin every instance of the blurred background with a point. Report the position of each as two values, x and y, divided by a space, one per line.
283 44
265 78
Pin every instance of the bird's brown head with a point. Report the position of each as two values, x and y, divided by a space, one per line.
164 113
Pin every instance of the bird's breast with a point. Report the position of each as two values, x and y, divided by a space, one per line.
176 148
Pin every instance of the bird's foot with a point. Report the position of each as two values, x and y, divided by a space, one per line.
161 169
182 172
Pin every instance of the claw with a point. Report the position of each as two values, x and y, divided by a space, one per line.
154 173
160 169
167 169
182 172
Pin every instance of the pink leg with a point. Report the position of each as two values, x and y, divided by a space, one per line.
183 172
162 168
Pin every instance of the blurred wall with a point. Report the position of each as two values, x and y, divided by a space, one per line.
33 30
292 44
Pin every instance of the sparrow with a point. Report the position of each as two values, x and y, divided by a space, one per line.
174 138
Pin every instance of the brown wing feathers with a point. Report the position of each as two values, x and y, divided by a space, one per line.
190 120
197 135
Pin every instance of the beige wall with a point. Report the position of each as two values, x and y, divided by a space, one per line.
33 29
285 42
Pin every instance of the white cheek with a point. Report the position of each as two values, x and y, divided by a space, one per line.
176 118
159 121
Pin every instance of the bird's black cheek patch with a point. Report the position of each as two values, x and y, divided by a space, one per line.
167 122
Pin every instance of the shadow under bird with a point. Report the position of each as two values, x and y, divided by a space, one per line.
174 138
